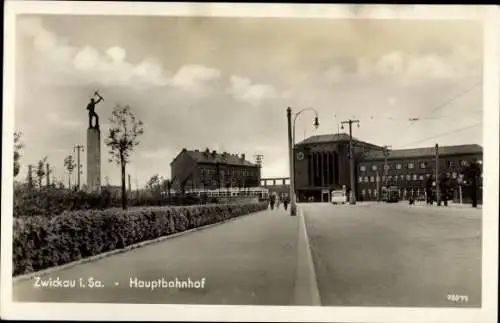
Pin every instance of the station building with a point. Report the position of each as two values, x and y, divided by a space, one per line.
322 164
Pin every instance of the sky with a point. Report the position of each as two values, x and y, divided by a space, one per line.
225 83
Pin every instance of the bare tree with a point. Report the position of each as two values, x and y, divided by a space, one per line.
166 185
122 139
154 185
40 171
17 151
70 165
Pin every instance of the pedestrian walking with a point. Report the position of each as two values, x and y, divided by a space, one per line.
285 203
272 201
278 202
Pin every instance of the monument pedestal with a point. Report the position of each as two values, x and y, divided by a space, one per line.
94 159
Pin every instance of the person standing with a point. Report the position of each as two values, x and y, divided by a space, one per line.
472 174
428 190
285 202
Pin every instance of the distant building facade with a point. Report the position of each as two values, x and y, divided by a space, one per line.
322 164
195 169
410 169
280 186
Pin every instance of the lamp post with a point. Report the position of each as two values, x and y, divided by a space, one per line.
291 145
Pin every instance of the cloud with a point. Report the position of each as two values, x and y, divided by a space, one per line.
423 67
194 76
88 66
56 121
242 89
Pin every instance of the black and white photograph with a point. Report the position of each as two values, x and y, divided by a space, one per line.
253 162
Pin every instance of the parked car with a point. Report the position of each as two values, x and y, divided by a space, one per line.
339 197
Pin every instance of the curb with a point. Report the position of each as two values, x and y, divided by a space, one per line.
43 272
306 292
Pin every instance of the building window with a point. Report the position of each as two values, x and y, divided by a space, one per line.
421 177
398 166
423 165
377 179
389 178
464 163
362 168
454 175
451 163
386 167
374 167
408 177
366 179
360 180
414 177
428 175
372 179
402 177
369 192
411 165
363 192
383 178
375 193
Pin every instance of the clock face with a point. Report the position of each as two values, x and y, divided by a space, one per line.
300 155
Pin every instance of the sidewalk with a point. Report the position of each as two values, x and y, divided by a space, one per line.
248 261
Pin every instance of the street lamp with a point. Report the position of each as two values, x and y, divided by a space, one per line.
291 145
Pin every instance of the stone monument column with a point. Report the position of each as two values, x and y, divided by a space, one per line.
94 159
94 147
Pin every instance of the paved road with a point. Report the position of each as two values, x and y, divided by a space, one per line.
250 260
395 255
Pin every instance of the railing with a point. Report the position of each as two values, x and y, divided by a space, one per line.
254 192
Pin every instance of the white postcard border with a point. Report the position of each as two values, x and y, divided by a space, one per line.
56 311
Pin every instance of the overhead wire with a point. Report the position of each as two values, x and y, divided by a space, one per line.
449 101
444 134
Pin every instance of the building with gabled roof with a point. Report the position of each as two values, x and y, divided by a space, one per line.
209 169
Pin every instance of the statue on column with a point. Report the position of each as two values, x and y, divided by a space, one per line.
91 108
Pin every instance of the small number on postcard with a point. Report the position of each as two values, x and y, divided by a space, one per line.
458 298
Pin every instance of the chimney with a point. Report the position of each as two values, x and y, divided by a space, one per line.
242 156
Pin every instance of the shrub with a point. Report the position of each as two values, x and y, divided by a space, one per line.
41 242
50 201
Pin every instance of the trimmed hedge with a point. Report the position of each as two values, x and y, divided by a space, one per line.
51 201
41 242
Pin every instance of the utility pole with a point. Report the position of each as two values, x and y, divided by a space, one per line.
129 185
438 198
386 168
48 172
352 199
30 177
258 159
78 148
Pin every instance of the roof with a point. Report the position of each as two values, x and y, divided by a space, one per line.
213 157
320 139
426 152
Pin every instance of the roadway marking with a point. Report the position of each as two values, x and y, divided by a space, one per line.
306 285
